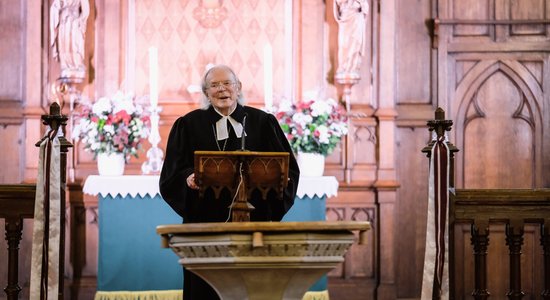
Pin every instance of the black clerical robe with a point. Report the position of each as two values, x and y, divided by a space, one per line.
197 131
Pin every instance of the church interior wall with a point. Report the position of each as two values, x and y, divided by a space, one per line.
411 66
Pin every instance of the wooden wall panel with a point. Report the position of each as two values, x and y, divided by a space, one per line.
414 52
11 157
485 89
12 62
12 58
356 204
527 10
412 173
494 121
362 150
471 10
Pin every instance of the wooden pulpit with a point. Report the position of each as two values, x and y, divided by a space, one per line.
242 173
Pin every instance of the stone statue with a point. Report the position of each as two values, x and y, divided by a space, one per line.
67 30
351 18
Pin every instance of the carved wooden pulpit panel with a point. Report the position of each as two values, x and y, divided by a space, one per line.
241 172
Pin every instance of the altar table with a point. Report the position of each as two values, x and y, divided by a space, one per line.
130 208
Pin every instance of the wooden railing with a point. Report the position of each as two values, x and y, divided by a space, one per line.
16 204
514 208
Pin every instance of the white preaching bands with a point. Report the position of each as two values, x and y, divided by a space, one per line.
222 131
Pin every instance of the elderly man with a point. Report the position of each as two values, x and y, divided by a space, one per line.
218 127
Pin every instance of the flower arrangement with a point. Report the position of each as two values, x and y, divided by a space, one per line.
314 126
112 125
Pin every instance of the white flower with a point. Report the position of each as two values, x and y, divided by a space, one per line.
339 129
92 133
78 128
325 116
101 106
109 129
319 108
124 104
100 131
332 103
302 119
285 106
323 134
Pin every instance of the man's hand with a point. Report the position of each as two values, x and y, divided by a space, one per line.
191 182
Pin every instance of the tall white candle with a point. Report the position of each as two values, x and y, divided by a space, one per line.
268 77
153 76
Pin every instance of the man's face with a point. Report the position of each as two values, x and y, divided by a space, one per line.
222 90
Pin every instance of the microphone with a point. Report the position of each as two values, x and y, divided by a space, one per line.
243 134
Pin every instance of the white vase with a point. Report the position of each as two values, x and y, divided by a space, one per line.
110 164
311 164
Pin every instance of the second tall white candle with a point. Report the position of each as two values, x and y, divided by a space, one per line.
153 76
268 77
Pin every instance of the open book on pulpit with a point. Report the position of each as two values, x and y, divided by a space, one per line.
242 173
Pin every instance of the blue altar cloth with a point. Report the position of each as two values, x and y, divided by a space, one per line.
309 209
130 255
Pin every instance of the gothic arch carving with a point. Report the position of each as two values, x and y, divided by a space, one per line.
465 94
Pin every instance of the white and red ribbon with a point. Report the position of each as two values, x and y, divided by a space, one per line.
47 224
435 281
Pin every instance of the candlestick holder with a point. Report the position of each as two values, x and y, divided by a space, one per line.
154 161
65 90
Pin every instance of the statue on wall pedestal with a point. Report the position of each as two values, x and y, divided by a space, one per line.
67 30
351 18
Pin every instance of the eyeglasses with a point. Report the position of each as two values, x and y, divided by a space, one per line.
217 85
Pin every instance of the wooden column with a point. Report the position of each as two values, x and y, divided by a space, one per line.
16 203
514 240
545 242
480 241
14 228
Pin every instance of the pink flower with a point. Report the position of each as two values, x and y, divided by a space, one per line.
124 116
327 117
114 124
317 133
